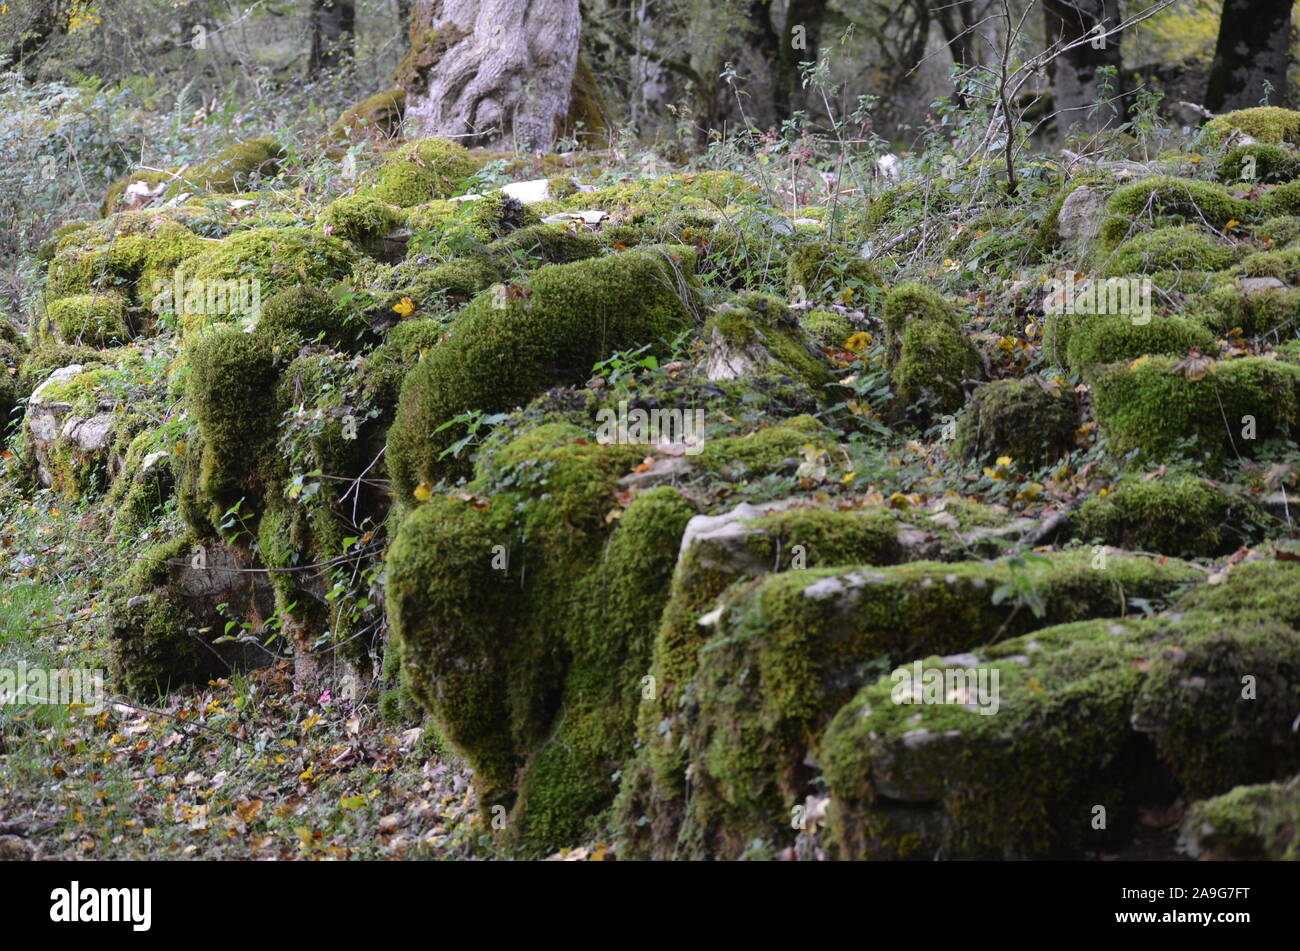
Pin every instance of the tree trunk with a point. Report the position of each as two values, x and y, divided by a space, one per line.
1254 41
491 71
803 27
50 21
333 26
1076 75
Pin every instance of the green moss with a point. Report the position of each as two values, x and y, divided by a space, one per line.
1282 230
1250 823
1079 341
137 264
935 361
828 272
1282 200
423 170
561 187
277 257
502 352
298 315
238 168
144 483
1283 265
1162 413
1265 123
533 245
115 191
1271 164
231 376
361 219
48 357
771 449
1176 515
152 648
1259 313
1164 200
1031 420
827 327
98 320
1048 236
378 116
1167 249
910 302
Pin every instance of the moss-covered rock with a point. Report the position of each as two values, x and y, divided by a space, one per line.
1176 515
1079 341
1266 123
910 302
377 117
96 320
1250 823
422 171
1031 420
933 366
504 350
828 328
1258 311
1261 164
362 219
113 195
298 315
1164 413
277 258
823 271
757 330
240 167
1164 200
1167 249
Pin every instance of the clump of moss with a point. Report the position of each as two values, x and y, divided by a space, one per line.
378 117
1282 230
1162 412
1031 420
115 191
533 245
234 169
1269 124
422 171
828 272
97 320
304 315
1079 341
1164 200
827 327
1178 515
768 450
931 357
231 375
504 350
1261 312
151 646
1167 249
1250 823
405 345
560 187
908 303
277 257
1261 163
361 219
1282 200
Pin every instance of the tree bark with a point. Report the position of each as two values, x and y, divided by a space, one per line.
1076 75
1253 48
50 21
333 27
788 94
492 71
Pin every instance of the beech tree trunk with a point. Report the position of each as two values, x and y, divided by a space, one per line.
492 71
1076 75
1253 48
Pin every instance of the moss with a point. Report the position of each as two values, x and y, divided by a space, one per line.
1283 265
237 168
1164 200
763 322
298 315
276 257
774 448
828 272
1262 312
98 320
1282 200
560 187
45 358
425 48
935 361
1031 420
533 245
1177 515
791 648
361 219
1167 249
1281 230
1079 341
827 327
910 302
1048 236
144 484
1250 823
1162 413
1271 164
137 264
501 353
422 171
1265 123
231 376
378 116
152 648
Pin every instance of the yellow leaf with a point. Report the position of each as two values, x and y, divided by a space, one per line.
1139 361
405 307
858 342
423 492
1004 461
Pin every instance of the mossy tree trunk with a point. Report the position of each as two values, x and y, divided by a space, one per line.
1253 47
1077 77
491 71
333 27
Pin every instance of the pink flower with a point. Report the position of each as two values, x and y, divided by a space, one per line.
324 698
